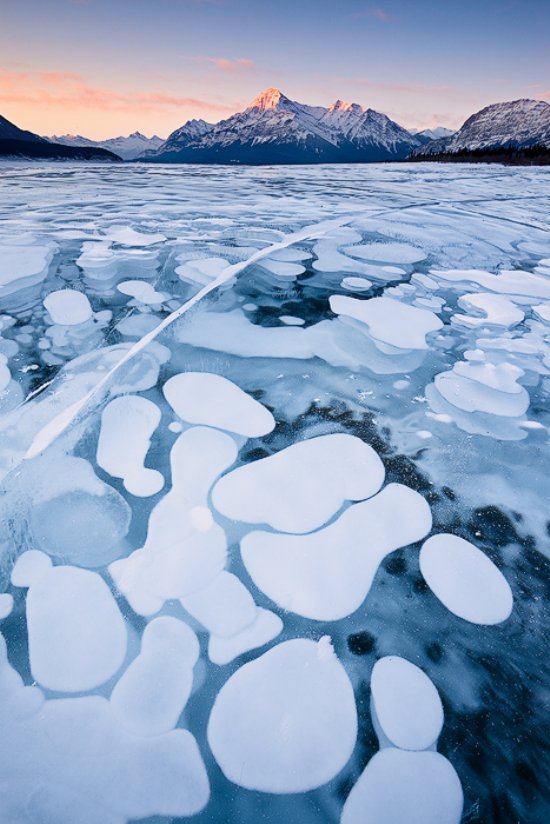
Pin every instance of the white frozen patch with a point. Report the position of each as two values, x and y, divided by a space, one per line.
484 387
22 266
465 580
6 605
177 558
506 282
142 291
390 252
205 398
406 705
225 607
399 787
542 311
299 488
286 722
68 307
389 321
264 629
77 636
59 757
202 271
126 236
326 575
127 424
152 693
283 269
356 284
487 310
290 320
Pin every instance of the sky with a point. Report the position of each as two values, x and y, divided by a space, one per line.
102 68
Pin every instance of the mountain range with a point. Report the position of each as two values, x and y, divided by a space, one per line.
16 142
276 130
519 129
128 148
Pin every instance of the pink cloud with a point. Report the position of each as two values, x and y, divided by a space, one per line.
229 66
56 89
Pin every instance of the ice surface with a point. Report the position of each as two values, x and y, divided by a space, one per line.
405 703
439 363
203 398
68 307
327 574
286 722
465 580
405 787
301 487
77 636
127 424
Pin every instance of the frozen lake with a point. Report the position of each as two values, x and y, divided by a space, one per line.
275 475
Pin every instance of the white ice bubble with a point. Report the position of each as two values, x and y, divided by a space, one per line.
69 760
23 265
68 307
127 424
465 580
326 575
389 321
6 605
390 252
205 398
356 284
152 693
285 722
126 236
77 636
487 310
406 705
399 787
299 488
142 292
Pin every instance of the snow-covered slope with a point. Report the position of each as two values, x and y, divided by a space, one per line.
275 129
126 147
426 135
520 124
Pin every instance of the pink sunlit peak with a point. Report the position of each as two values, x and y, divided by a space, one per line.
268 99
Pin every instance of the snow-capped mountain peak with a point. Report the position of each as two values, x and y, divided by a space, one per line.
344 106
276 129
271 98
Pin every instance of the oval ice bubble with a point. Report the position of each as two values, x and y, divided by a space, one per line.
465 580
285 722
68 307
405 703
77 635
211 400
400 787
